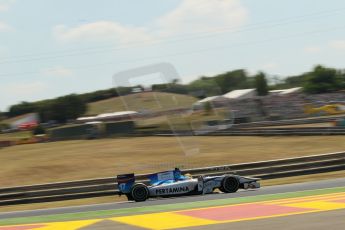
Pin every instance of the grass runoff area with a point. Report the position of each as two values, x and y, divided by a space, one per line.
166 207
85 159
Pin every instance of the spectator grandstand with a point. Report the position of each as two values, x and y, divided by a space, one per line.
282 104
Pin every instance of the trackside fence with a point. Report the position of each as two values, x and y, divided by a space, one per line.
108 186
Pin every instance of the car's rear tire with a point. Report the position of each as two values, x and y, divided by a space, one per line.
129 196
230 184
139 192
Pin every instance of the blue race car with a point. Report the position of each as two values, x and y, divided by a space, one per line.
173 183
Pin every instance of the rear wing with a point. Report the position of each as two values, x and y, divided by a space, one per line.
125 182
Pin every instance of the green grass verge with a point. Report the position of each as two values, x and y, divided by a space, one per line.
164 208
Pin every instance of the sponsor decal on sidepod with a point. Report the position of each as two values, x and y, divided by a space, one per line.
173 190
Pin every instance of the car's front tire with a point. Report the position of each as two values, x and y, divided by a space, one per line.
139 192
230 184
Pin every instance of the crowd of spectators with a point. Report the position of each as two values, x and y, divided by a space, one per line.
281 106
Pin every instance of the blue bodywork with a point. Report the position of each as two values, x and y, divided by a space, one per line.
126 181
166 177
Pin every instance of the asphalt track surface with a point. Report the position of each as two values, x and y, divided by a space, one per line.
249 193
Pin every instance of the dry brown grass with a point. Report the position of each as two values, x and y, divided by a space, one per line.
155 101
15 136
73 160
315 125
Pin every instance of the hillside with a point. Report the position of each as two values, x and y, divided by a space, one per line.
154 101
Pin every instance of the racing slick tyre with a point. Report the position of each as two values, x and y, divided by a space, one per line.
139 192
229 184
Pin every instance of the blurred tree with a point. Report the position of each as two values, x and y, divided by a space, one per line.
22 108
204 87
99 95
261 84
341 74
2 116
232 80
170 88
67 107
44 109
323 80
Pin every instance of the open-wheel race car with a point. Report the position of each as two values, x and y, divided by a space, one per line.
173 183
